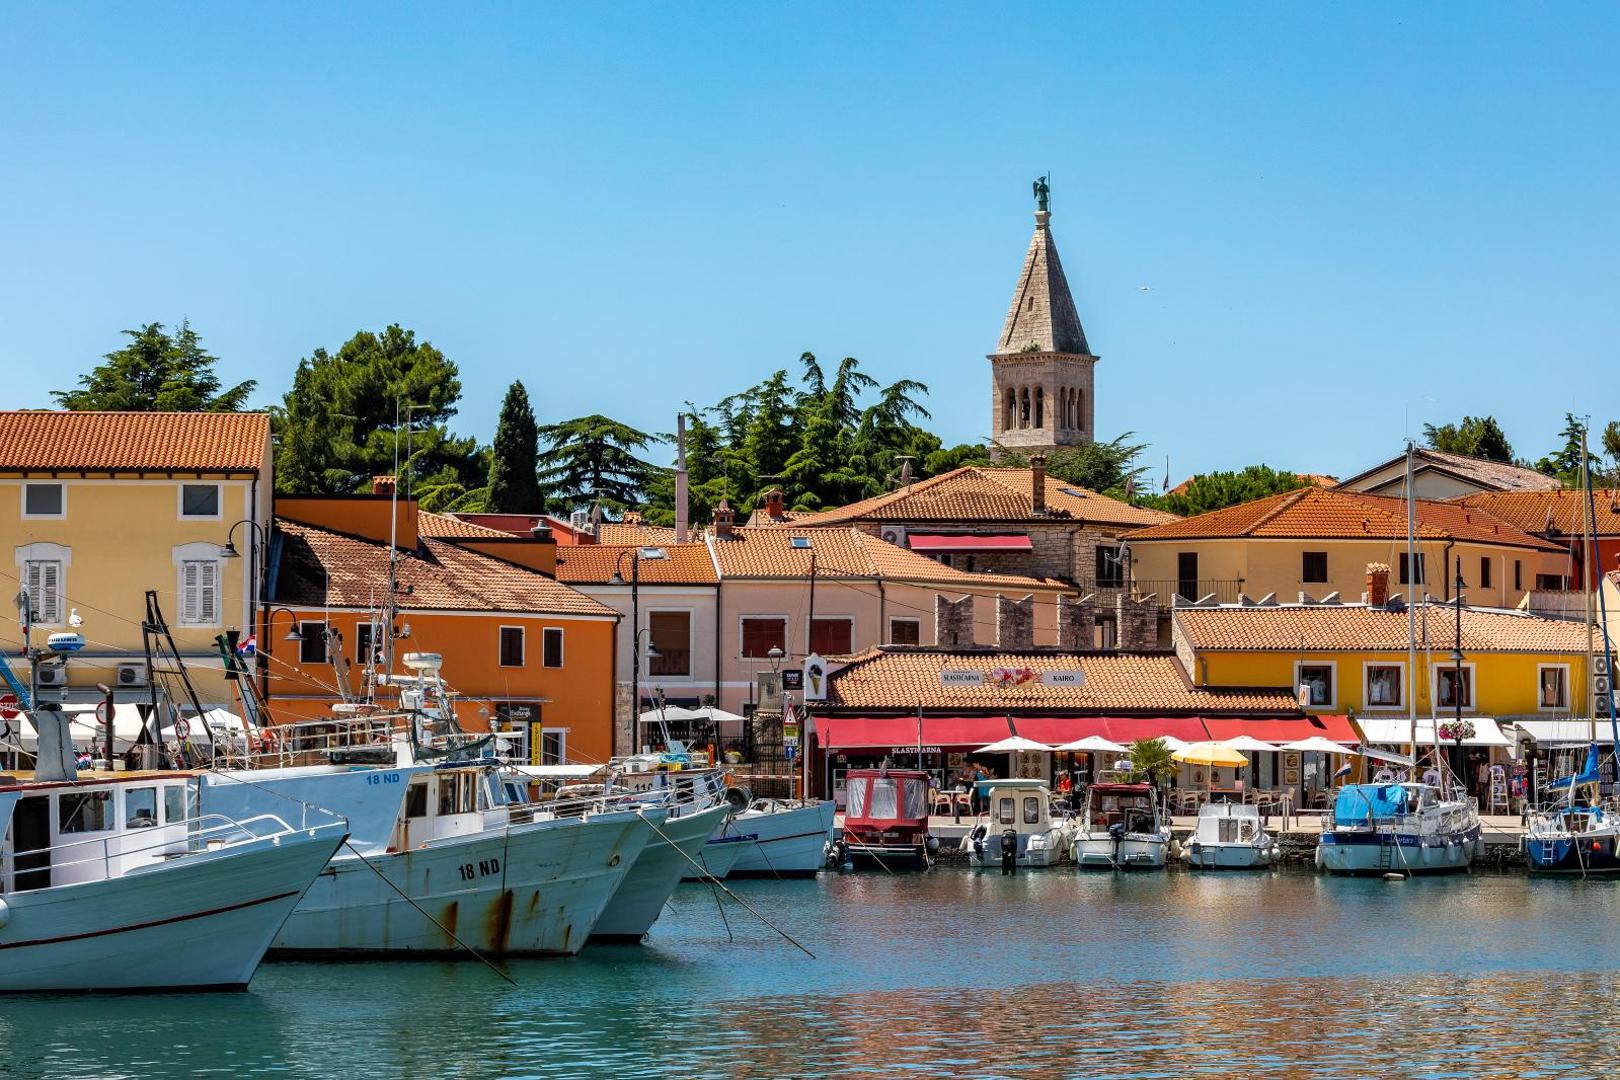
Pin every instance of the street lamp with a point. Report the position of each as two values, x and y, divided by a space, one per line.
293 633
617 578
229 551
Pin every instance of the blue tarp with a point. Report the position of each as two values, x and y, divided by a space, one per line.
1587 775
1356 802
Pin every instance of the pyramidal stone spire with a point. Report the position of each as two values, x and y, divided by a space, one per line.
1041 371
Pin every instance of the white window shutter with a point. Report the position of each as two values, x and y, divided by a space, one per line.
188 592
208 602
45 590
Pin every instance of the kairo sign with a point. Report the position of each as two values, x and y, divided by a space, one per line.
1011 677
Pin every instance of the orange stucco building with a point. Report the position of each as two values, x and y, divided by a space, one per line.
526 653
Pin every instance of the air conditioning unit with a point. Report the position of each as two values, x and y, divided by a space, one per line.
893 534
131 675
1600 704
51 675
1600 685
1600 665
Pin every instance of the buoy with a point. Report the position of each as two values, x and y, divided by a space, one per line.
5 913
1393 876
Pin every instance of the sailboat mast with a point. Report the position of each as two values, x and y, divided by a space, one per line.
1588 563
1411 604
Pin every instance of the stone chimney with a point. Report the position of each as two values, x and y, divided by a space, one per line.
1377 584
723 518
382 485
1015 623
1077 622
1037 483
1138 622
953 621
773 504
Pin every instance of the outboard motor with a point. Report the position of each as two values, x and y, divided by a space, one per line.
1009 851
977 836
1116 832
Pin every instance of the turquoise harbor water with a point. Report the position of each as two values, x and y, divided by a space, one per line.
948 973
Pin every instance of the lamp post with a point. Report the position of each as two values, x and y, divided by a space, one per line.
260 543
1456 667
617 578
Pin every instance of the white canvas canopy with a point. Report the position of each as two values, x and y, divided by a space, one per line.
1250 744
671 712
1318 745
1395 731
557 772
1093 744
1013 744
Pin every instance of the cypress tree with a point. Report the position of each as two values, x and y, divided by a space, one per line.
514 485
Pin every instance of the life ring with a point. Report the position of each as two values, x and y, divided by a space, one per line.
268 739
182 729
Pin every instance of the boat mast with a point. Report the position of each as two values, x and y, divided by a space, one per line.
1588 564
1411 606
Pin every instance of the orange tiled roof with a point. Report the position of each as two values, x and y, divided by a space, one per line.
1550 512
593 564
1317 479
317 567
1135 682
976 493
770 553
131 441
448 527
1496 475
1313 513
1358 628
620 532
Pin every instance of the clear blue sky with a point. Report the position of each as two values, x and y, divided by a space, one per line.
1351 218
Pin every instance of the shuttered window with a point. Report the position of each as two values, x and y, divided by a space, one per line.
44 580
759 636
551 647
831 637
199 593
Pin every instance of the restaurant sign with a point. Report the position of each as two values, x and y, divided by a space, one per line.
912 749
1063 678
961 677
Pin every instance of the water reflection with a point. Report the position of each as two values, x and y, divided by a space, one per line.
942 974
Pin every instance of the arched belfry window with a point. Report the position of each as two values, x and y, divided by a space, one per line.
1040 407
1023 413
1009 414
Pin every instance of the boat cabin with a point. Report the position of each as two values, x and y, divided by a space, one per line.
1129 805
1228 823
1024 806
93 828
452 800
886 814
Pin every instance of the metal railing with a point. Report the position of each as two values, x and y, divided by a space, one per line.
1167 589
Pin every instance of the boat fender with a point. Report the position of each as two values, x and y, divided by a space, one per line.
1191 850
933 845
739 797
5 913
1319 862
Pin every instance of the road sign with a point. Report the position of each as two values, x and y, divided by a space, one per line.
790 731
10 708
790 751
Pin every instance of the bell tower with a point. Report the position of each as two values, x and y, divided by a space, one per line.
1041 372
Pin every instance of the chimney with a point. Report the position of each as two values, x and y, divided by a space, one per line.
382 485
681 527
1377 584
723 517
773 504
1037 483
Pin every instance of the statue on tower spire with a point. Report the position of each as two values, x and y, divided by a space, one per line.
1043 193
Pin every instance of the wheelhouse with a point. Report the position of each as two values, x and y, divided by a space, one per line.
89 830
886 815
1129 805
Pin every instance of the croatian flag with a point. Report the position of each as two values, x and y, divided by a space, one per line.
1344 770
249 646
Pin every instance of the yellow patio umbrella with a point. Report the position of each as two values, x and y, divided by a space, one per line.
1211 754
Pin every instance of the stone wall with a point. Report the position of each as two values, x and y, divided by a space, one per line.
1015 623
624 721
1077 622
1138 622
953 621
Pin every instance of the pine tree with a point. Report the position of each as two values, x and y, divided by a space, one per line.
156 372
514 466
594 459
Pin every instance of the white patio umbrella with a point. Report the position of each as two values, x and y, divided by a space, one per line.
1250 744
1012 744
1319 745
670 712
1173 743
1093 744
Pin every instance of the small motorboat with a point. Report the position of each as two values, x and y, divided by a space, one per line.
1122 829
886 820
1019 830
1230 836
790 837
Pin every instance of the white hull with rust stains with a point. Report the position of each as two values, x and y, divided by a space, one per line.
531 889
670 852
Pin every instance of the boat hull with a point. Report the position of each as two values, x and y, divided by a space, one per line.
535 889
1036 851
1201 856
1577 855
199 922
718 856
669 852
787 843
1135 851
1361 853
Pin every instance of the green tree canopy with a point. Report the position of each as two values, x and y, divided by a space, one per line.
514 463
1218 490
1475 436
381 397
1107 467
156 372
593 459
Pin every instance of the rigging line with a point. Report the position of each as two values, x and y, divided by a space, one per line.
706 876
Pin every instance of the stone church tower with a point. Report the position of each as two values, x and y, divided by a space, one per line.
1041 370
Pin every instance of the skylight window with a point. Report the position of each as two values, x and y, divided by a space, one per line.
654 553
1073 491
799 541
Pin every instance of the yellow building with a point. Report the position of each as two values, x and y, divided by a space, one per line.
98 508
1319 542
1523 677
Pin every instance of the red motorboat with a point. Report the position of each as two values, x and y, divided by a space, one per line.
886 818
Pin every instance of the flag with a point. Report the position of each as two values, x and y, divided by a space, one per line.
1166 486
249 646
1344 770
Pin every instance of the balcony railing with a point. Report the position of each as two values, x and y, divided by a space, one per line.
1225 590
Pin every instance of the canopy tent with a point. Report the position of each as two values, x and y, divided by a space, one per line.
1395 731
966 733
1093 744
670 713
1014 744
1282 729
1318 745
1250 745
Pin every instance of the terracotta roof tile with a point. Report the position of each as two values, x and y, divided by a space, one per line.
1314 513
1495 475
1548 513
593 564
1146 682
619 532
447 527
976 493
1357 628
316 567
771 553
127 441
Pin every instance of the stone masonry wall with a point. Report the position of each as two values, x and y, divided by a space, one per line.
1138 622
1077 622
1015 623
953 621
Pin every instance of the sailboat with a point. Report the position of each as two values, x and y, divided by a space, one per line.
1576 836
1401 829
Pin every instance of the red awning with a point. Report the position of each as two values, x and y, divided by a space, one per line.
1281 730
960 733
942 542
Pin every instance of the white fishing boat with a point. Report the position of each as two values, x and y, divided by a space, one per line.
1230 836
668 856
116 882
1122 829
1019 825
720 855
790 837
